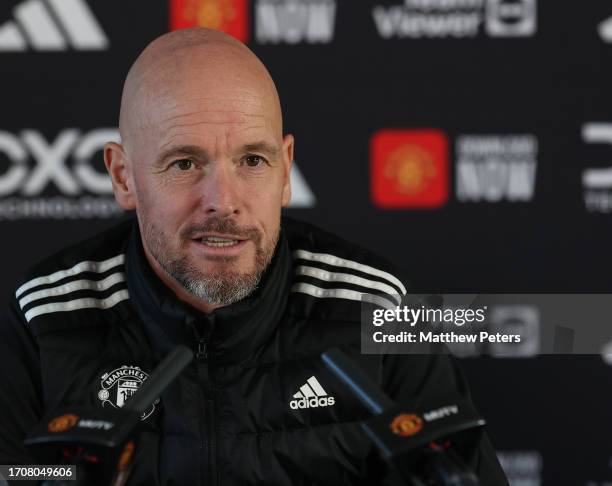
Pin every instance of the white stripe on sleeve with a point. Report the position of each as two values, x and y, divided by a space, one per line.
74 286
347 278
77 304
319 292
341 262
86 266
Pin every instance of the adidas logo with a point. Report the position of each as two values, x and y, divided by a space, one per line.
311 395
52 25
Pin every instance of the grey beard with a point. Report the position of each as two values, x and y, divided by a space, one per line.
220 288
217 289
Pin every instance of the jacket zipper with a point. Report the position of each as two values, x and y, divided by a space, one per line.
208 429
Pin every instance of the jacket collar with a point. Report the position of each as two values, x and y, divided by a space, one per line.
232 333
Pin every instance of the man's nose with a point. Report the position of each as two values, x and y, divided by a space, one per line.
220 194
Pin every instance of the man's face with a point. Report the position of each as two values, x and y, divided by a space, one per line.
210 173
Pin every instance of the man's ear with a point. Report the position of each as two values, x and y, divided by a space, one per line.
288 144
117 166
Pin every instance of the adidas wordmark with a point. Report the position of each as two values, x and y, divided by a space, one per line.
311 395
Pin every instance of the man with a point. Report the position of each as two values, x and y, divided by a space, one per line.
210 264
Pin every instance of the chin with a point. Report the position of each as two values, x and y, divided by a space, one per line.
215 265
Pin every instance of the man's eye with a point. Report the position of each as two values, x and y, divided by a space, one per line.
255 160
183 164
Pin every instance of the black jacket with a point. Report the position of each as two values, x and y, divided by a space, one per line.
88 324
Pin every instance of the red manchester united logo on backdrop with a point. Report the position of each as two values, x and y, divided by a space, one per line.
230 16
409 168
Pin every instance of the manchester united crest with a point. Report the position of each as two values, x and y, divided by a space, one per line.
120 384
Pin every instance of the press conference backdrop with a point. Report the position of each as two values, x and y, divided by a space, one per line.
469 141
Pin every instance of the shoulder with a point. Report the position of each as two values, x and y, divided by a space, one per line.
87 275
330 268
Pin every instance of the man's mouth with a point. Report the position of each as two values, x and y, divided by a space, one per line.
219 242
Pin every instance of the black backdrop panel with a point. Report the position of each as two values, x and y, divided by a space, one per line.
517 91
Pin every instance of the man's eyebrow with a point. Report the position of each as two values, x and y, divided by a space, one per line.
264 147
198 152
182 150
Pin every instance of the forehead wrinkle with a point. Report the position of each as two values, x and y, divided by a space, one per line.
171 140
176 130
234 116
241 113
169 131
174 112
253 127
238 118
252 99
181 122
167 96
178 126
172 137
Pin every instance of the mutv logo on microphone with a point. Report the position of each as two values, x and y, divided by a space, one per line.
406 425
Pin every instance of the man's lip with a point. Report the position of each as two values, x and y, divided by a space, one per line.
209 251
218 235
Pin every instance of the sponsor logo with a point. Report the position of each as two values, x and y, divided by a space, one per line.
62 423
606 356
511 18
230 16
119 385
522 467
422 19
67 421
494 168
409 424
65 178
409 168
95 424
52 25
276 21
522 320
292 22
605 30
441 413
311 395
597 181
301 194
406 425
606 353
37 180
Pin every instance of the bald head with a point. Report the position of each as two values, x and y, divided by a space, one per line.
204 163
195 66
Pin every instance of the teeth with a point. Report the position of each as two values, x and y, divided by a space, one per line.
216 238
218 242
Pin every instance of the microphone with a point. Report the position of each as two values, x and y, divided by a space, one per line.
102 441
423 443
160 378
